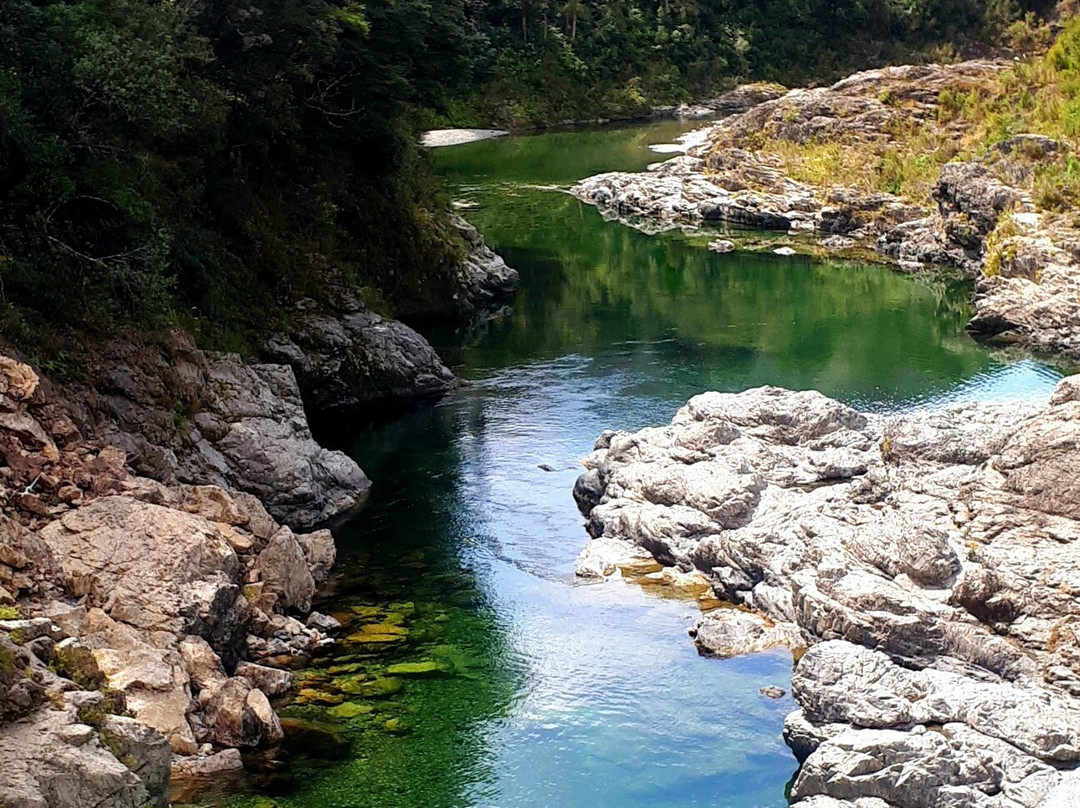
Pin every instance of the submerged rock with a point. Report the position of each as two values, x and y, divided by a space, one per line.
315 739
424 669
927 559
349 709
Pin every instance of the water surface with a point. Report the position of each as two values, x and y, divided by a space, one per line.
590 696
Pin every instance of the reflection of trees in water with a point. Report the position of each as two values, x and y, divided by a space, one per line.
732 320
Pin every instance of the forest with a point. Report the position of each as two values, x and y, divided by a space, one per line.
205 162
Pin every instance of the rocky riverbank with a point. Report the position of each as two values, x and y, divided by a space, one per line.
142 617
982 218
153 593
926 562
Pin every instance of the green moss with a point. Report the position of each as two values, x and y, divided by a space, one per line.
10 613
7 662
92 715
425 668
349 709
116 746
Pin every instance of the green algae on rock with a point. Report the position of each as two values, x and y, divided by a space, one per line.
349 709
417 669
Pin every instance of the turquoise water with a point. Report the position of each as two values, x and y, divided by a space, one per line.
552 693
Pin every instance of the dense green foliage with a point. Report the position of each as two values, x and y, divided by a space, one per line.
546 60
209 161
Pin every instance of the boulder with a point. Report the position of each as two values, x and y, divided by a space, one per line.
184 415
347 357
271 681
732 632
927 558
284 569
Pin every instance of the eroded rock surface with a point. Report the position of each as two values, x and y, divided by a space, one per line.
166 602
59 746
928 559
184 415
348 357
485 281
730 179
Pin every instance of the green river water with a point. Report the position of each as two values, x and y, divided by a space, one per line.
533 690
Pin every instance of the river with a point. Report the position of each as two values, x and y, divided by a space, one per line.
540 691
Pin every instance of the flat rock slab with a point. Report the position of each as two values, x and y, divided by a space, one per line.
455 137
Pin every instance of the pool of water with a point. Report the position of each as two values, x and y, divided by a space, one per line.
549 692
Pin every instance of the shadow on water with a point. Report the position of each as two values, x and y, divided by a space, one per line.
522 687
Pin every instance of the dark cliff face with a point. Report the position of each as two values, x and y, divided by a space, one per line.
184 415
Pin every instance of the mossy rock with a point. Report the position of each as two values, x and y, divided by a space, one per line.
442 618
384 628
374 639
350 667
381 687
349 709
365 611
311 696
354 685
407 608
467 597
425 669
452 657
345 618
395 725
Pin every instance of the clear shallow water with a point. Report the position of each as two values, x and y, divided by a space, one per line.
574 695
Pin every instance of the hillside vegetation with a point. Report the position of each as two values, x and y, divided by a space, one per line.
539 61
207 162
1039 95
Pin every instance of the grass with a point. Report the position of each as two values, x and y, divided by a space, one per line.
909 170
7 662
1000 248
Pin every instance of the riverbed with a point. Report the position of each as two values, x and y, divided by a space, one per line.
545 691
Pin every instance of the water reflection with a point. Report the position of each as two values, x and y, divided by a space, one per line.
589 696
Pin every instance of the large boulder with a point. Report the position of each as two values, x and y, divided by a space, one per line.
349 357
184 415
928 558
